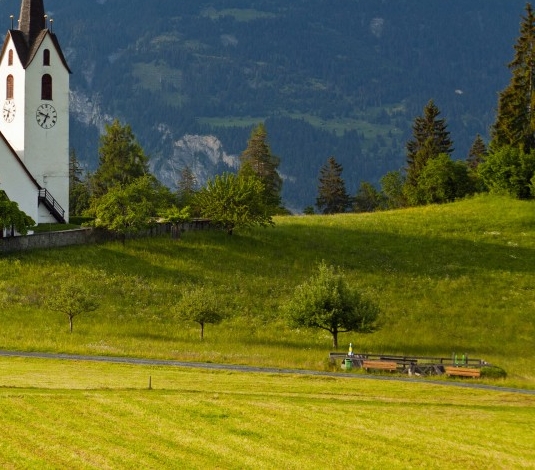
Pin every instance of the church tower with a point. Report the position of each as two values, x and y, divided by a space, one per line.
34 82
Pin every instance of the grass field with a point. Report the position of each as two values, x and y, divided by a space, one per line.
66 415
453 278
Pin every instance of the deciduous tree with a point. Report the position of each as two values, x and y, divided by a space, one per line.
441 180
326 301
72 299
392 188
129 208
200 305
234 201
11 217
509 170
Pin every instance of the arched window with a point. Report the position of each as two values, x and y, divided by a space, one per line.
46 87
10 87
10 57
46 57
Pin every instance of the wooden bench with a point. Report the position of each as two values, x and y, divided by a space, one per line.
462 371
380 365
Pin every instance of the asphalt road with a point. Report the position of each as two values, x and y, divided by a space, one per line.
251 369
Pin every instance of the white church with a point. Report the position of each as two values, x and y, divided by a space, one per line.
34 124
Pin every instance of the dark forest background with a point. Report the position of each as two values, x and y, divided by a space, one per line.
342 78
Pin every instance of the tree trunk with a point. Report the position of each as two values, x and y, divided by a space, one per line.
202 331
335 338
70 323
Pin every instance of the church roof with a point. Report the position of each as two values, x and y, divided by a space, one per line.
31 33
32 19
27 54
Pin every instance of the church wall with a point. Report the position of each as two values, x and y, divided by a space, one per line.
14 130
17 184
46 151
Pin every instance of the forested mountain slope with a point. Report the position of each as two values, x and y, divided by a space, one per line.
329 77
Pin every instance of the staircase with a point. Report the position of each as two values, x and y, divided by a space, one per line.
52 205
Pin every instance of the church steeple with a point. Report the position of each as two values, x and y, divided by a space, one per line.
32 19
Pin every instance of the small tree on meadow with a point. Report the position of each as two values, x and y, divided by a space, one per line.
326 301
199 305
72 299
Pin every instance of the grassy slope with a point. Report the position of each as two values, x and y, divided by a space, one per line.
457 277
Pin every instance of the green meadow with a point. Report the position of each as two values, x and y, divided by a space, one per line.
77 415
450 278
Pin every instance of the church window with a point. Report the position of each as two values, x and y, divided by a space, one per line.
46 87
46 57
9 87
10 57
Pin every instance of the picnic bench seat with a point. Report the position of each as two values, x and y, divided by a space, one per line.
379 365
462 371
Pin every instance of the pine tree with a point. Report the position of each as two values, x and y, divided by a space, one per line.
515 120
477 153
79 193
122 160
258 160
332 195
186 186
430 139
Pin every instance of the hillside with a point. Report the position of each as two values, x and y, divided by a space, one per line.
451 278
343 78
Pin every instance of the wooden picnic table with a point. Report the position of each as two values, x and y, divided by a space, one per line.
411 365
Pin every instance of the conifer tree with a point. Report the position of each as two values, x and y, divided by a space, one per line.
186 186
332 195
430 139
515 121
258 160
79 192
477 153
122 160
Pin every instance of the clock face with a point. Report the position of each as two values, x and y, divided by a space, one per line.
9 110
46 116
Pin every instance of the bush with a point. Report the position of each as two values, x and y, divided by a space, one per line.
79 220
493 372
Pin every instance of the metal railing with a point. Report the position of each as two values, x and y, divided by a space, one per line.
57 211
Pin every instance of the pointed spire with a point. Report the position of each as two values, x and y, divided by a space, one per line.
32 19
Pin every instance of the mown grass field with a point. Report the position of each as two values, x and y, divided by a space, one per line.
66 415
453 278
